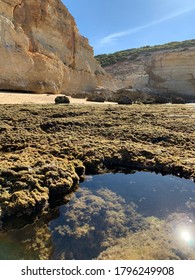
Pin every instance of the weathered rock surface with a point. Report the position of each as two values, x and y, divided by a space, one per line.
41 50
161 72
45 150
28 190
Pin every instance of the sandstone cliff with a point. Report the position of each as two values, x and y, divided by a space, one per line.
41 50
172 72
164 71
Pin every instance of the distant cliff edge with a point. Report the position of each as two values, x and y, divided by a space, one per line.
164 69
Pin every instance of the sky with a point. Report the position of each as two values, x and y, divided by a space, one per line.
115 25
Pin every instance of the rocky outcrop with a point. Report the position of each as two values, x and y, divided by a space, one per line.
27 191
42 51
172 72
169 72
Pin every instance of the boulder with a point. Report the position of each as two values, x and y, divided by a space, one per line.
96 98
124 100
62 99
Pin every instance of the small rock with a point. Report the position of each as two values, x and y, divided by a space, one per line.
96 98
124 100
62 99
177 100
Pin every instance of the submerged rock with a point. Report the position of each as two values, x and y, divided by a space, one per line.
162 240
93 221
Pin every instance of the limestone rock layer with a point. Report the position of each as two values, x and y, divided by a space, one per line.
162 72
41 50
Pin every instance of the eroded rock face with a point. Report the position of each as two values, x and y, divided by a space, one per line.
172 72
41 49
161 72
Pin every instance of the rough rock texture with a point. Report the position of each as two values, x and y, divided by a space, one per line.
27 190
41 49
45 150
167 72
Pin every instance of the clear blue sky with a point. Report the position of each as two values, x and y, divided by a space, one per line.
114 25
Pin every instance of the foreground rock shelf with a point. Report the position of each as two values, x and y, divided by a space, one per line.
45 150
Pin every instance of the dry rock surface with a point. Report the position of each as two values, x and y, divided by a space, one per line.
42 51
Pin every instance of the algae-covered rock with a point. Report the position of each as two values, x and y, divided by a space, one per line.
29 190
25 202
41 144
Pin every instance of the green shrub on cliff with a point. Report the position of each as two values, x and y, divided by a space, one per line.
133 54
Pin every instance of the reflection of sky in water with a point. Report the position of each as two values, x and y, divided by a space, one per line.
186 234
154 194
141 215
151 194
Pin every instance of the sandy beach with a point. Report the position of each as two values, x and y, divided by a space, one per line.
30 98
27 98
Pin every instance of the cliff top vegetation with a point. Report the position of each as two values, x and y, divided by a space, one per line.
133 54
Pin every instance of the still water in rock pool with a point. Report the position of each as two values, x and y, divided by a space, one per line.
113 216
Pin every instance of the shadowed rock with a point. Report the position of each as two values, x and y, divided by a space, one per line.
124 100
62 99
